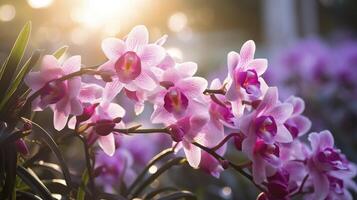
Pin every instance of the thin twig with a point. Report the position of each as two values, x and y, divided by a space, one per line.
225 140
129 131
301 186
234 166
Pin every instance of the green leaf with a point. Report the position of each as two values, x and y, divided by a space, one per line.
179 195
57 186
52 167
27 195
20 76
9 68
47 138
10 155
81 189
152 194
60 52
154 160
30 178
172 162
107 196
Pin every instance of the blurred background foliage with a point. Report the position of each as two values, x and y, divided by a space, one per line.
290 33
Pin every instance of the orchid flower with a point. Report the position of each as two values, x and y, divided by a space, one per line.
244 77
331 173
132 59
60 96
180 93
264 129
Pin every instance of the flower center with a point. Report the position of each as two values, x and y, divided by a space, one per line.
175 101
269 152
248 80
294 131
265 128
128 67
53 92
332 159
336 184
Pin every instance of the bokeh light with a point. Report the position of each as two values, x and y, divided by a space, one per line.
7 12
39 3
153 169
176 53
226 191
177 22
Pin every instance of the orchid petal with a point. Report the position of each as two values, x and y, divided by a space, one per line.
72 64
113 48
259 65
137 37
193 154
107 143
247 52
152 55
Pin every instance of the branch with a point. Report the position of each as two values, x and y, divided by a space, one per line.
225 140
238 168
135 129
301 186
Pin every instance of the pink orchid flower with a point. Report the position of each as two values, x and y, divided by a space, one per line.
210 136
330 172
264 129
60 96
185 131
180 93
244 77
133 58
104 117
220 109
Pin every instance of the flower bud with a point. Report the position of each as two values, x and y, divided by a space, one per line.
104 127
22 147
107 77
87 113
225 164
176 133
238 140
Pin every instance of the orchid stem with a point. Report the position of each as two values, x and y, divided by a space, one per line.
225 140
301 186
129 131
234 166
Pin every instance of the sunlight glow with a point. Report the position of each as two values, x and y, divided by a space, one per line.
39 3
106 13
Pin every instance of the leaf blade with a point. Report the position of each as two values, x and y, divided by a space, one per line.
20 76
60 52
9 67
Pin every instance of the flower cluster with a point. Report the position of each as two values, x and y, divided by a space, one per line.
243 107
